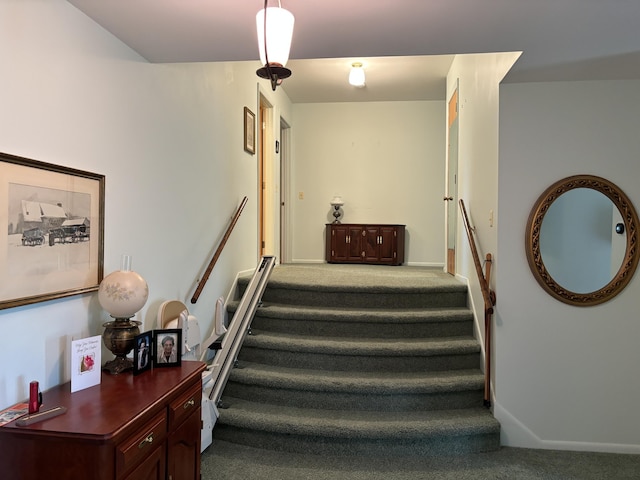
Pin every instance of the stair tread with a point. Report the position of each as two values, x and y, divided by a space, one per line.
361 424
363 346
374 315
387 383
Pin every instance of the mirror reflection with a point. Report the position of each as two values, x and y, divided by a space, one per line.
578 240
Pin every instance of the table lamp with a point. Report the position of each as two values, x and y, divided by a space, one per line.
337 203
122 293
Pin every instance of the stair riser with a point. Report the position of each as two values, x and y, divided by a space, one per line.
354 329
364 300
355 401
360 363
433 446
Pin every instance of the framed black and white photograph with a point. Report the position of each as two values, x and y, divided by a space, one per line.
143 352
53 223
167 346
249 131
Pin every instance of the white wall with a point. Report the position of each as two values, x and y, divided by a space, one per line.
169 140
386 160
477 78
566 377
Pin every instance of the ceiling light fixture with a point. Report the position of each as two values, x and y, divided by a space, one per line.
356 75
275 29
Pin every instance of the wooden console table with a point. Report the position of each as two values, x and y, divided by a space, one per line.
365 243
129 428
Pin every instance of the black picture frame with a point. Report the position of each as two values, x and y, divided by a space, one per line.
143 357
47 210
159 337
249 131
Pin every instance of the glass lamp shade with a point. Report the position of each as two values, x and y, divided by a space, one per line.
123 293
279 32
356 75
337 201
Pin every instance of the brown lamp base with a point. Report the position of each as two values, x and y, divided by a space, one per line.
118 365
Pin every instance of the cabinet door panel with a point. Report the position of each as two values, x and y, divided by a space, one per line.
153 468
339 243
371 247
388 244
354 249
183 450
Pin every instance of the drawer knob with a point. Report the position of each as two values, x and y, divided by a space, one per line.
188 404
148 440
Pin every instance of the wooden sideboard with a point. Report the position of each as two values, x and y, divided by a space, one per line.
126 428
365 243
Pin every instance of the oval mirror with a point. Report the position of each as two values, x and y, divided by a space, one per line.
581 240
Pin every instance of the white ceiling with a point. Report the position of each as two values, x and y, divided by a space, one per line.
407 45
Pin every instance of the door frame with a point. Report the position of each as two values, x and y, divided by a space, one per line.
451 195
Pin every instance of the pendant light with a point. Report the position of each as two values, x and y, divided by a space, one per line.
356 75
275 29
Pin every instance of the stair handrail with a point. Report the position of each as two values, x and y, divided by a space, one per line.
216 255
226 357
489 297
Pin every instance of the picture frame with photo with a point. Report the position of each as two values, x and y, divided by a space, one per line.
143 352
167 347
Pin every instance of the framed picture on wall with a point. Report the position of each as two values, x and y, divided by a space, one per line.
249 131
52 231
167 347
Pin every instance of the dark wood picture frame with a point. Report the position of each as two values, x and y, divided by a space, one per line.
53 223
159 337
143 354
249 131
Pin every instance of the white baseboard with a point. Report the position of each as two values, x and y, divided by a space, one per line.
514 433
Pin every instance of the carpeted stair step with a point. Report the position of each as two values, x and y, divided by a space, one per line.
357 322
361 354
359 361
346 432
364 391
445 295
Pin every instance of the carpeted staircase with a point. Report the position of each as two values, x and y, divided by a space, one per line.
359 361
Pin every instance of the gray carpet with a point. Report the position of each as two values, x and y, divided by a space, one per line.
322 365
235 462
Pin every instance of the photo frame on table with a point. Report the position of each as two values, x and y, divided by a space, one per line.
167 347
143 352
52 219
249 131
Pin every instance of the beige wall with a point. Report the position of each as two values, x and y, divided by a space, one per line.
386 160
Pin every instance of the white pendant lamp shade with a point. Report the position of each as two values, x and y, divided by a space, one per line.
279 33
356 75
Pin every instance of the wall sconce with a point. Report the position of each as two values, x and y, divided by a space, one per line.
356 75
336 202
275 29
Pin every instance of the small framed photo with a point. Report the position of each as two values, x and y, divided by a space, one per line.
143 353
249 131
167 346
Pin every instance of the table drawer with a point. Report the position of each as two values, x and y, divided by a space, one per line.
141 444
185 404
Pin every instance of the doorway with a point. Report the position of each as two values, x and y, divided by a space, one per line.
265 219
451 196
283 149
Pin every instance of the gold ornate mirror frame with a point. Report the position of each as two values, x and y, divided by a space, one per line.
534 225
